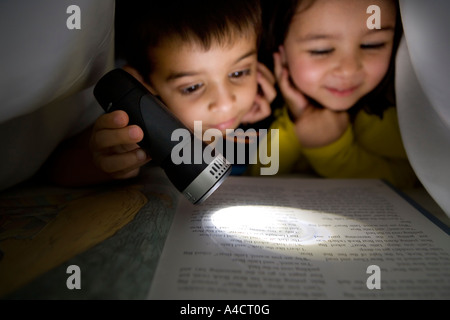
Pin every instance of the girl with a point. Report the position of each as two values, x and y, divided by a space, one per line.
335 74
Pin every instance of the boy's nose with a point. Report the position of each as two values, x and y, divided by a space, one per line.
222 98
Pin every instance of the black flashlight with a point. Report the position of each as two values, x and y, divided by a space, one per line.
118 90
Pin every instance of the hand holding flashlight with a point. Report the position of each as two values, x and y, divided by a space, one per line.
118 90
114 146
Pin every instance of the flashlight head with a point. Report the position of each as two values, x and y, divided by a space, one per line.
198 181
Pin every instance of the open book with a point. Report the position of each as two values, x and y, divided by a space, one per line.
290 238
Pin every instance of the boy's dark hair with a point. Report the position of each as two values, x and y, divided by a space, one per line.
281 13
141 25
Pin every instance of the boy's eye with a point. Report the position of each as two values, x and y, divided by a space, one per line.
239 74
373 45
321 52
191 89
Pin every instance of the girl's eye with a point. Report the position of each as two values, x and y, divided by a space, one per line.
320 52
191 89
373 46
239 74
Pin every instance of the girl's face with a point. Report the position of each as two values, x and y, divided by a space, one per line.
217 86
331 54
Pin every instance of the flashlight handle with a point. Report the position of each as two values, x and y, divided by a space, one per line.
118 90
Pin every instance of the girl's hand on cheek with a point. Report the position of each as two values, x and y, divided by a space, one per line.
266 94
295 100
114 146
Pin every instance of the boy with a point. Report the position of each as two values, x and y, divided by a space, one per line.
200 59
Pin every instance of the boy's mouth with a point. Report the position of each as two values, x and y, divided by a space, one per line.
229 124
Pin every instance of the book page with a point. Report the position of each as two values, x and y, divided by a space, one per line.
274 238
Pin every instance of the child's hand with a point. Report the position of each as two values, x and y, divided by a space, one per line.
295 100
314 127
114 146
266 93
320 127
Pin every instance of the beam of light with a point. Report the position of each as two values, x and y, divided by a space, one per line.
272 225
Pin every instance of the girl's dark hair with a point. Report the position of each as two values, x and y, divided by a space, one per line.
383 96
141 25
278 18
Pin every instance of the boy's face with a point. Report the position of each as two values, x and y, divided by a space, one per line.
216 86
333 56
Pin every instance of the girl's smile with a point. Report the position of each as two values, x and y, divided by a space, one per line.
342 92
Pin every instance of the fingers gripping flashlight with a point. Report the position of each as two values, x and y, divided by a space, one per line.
118 90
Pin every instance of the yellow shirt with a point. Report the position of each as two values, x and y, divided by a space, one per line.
370 148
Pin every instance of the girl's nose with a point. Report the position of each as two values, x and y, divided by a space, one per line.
348 65
222 98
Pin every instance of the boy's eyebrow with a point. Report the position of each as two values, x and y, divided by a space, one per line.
246 55
175 75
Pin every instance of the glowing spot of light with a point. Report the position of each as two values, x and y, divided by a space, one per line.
272 225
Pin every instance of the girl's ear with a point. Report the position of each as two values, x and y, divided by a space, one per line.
138 76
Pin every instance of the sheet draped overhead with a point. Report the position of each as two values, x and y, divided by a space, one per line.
423 93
